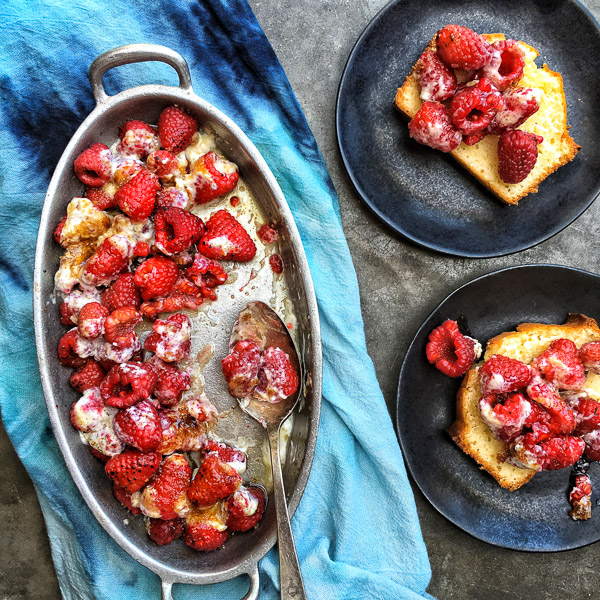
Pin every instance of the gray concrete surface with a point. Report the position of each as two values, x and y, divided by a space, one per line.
400 284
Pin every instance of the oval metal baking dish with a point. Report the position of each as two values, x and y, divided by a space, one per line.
175 563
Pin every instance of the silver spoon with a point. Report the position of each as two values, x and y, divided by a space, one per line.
260 323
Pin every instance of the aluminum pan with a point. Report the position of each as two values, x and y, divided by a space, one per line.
174 563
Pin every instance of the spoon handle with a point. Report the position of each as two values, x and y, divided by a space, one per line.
290 577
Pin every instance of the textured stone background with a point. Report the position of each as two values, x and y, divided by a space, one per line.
400 285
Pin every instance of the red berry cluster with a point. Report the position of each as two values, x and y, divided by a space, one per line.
485 101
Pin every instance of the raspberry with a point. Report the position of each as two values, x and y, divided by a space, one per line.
180 431
500 375
590 356
519 104
450 351
125 168
73 302
474 106
172 382
246 508
505 415
433 127
111 257
276 264
226 238
517 154
592 444
232 456
240 368
561 366
141 249
91 320
164 532
132 470
87 413
436 80
506 63
587 414
176 129
59 229
474 138
99 198
165 496
119 326
93 166
67 350
174 302
580 498
203 533
88 376
156 276
136 197
139 426
121 293
214 176
206 274
214 481
277 377
176 229
170 339
550 455
124 497
268 234
137 138
461 48
546 395
171 197
163 164
127 383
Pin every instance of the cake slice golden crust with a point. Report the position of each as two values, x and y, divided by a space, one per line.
481 160
470 433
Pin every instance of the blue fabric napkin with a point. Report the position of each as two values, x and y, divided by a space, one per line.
356 528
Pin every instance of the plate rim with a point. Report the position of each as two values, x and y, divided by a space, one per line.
402 442
375 209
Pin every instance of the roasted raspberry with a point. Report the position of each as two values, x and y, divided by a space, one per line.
277 377
136 197
156 276
586 412
170 339
99 198
121 293
240 368
590 356
137 138
132 470
519 104
119 326
141 249
206 274
561 366
592 444
268 234
214 176
225 238
176 229
580 497
111 257
505 415
67 314
124 497
88 376
450 351
67 350
461 48
176 129
550 455
474 138
88 412
59 229
517 154
164 532
180 431
232 456
126 168
126 384
93 166
174 302
437 81
433 127
214 481
163 164
203 532
474 106
165 496
506 63
171 197
276 264
172 382
91 320
246 508
501 374
545 394
139 426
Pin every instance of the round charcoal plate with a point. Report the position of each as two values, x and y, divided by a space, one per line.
534 517
424 194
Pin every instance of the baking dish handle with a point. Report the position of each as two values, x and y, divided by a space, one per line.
166 593
134 53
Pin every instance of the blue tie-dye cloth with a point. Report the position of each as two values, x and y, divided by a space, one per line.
356 528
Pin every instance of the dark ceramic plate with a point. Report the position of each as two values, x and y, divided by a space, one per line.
422 193
533 518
